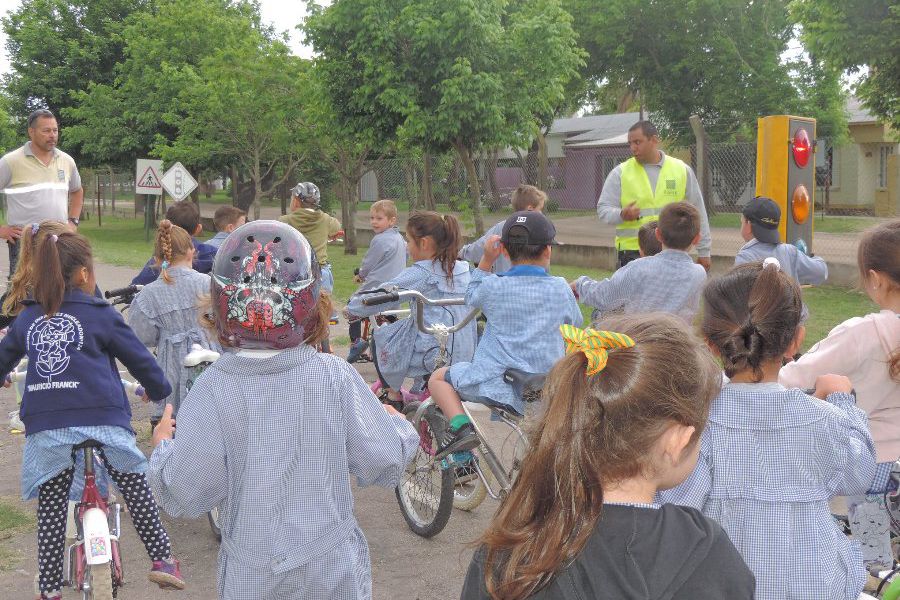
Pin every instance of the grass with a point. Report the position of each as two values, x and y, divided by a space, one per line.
823 224
121 242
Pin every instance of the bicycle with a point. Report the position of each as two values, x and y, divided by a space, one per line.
427 489
124 296
889 586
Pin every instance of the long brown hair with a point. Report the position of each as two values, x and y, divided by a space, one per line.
444 230
879 250
751 316
21 283
57 259
172 243
608 421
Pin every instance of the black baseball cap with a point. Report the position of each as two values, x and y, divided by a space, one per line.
764 216
529 227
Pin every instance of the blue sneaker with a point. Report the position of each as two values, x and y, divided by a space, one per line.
356 350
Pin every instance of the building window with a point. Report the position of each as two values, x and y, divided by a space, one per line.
884 153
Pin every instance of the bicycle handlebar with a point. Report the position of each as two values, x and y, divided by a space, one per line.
384 296
131 290
381 298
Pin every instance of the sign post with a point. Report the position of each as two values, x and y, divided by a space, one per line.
148 182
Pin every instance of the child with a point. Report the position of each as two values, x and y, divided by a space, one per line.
401 350
226 219
668 282
524 197
771 458
759 228
271 432
186 215
648 243
867 350
21 282
383 261
73 394
580 521
318 227
164 313
524 308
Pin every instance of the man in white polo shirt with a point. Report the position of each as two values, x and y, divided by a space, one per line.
41 183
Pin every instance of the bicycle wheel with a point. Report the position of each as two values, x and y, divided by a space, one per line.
99 579
468 489
213 517
425 492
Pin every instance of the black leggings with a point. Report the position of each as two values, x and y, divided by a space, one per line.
53 504
355 330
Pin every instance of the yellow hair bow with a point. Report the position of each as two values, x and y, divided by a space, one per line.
594 344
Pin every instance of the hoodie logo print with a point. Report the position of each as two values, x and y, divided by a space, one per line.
51 338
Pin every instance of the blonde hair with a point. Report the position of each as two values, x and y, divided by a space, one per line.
385 207
527 196
172 243
21 284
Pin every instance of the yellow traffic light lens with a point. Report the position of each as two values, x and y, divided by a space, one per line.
800 204
800 148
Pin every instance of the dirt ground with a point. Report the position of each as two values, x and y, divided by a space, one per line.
403 564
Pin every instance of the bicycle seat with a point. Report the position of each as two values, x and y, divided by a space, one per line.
87 444
526 385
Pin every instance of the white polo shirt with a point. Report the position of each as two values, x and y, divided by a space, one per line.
34 191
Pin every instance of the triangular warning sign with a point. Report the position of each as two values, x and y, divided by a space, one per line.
149 179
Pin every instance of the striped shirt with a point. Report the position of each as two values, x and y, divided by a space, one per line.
34 191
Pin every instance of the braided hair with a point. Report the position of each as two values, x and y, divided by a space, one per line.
172 244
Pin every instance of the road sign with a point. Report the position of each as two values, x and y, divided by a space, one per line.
178 182
146 177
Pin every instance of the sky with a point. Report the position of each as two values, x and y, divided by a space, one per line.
283 14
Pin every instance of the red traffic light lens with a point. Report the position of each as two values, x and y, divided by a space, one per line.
800 147
800 204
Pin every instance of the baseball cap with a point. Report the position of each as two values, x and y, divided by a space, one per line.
528 227
764 216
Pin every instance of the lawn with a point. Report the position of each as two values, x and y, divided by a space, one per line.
823 224
121 242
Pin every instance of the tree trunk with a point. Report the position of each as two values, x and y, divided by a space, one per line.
496 202
427 193
234 186
531 166
465 155
543 173
349 177
112 187
412 193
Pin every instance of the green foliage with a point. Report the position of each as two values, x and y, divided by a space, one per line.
719 59
858 36
822 97
8 137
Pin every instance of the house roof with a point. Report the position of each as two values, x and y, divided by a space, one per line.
594 127
858 113
616 140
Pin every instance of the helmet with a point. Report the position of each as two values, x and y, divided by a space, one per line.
307 192
265 286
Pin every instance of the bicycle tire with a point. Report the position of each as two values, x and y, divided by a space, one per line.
425 492
469 496
100 579
213 518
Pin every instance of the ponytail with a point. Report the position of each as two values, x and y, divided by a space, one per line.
20 285
172 244
444 230
58 257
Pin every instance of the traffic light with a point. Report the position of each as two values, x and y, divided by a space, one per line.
786 173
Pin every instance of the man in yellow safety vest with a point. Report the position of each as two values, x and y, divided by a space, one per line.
636 191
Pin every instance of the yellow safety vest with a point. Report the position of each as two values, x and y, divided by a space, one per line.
670 187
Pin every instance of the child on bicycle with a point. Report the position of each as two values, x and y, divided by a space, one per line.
383 261
226 219
524 197
21 281
186 215
271 432
771 457
524 308
317 226
164 314
401 350
73 393
580 520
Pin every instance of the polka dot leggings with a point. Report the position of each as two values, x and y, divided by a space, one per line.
53 499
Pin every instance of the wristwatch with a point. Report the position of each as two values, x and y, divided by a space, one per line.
74 220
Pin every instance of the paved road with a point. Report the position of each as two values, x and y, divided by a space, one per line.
403 565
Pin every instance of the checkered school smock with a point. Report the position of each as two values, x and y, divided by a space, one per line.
273 442
770 460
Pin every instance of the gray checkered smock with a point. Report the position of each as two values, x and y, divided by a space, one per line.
770 460
273 442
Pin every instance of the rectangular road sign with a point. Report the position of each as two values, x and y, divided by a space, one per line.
178 182
148 177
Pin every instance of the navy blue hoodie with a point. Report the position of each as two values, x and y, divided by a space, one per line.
72 378
204 255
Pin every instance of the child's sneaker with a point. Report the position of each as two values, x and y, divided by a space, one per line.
167 575
461 439
356 350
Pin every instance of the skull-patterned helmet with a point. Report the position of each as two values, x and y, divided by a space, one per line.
307 192
265 286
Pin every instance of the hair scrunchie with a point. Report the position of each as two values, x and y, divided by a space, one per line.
594 344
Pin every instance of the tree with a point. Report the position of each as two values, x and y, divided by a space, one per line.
858 36
719 59
246 106
822 97
467 75
9 139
